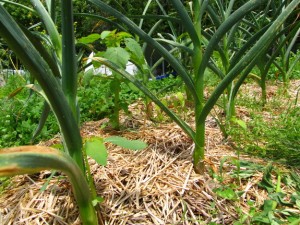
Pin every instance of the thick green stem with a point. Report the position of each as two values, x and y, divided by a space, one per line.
116 115
148 101
69 64
69 71
148 106
263 87
52 11
198 155
199 140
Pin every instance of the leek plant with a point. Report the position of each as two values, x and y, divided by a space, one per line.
55 69
204 45
279 49
286 43
280 58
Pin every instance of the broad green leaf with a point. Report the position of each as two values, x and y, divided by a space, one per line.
136 50
269 205
96 149
125 143
117 55
226 193
88 76
267 179
97 200
89 39
104 34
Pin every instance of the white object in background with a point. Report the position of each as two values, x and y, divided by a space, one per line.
131 68
12 72
104 70
2 83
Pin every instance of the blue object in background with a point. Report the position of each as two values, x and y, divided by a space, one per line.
166 75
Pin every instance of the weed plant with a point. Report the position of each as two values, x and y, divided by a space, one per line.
272 132
20 115
274 73
96 98
283 138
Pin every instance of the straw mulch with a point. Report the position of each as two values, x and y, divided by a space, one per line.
153 186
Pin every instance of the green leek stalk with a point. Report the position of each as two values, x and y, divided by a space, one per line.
69 62
32 159
40 70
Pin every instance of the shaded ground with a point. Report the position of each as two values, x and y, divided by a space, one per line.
153 186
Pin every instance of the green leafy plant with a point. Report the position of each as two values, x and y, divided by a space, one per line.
121 49
275 209
243 62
